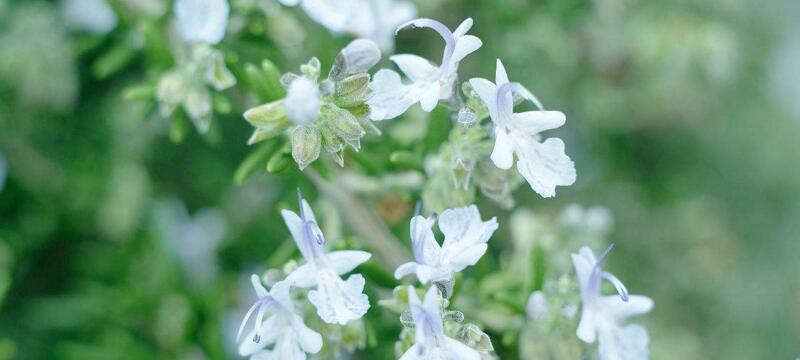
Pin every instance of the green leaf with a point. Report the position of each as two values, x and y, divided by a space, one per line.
113 60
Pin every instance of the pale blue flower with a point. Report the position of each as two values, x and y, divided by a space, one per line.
202 21
430 342
337 301
465 237
544 165
603 317
285 329
429 83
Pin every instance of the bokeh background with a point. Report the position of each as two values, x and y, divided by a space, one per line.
117 242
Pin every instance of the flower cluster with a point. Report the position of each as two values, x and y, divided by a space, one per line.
337 301
464 244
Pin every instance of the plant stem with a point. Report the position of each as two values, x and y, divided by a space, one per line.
363 221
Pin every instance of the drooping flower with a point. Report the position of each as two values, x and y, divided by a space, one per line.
465 237
543 164
285 329
202 21
603 317
370 19
429 83
93 16
337 301
430 342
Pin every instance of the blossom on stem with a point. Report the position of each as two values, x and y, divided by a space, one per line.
337 301
429 83
465 237
430 342
602 317
285 329
544 165
202 21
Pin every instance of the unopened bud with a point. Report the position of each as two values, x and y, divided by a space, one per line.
306 145
357 57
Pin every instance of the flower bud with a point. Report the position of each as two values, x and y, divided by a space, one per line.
352 90
343 124
306 145
357 57
170 92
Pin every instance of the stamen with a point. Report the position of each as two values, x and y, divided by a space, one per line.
509 89
621 289
444 32
256 338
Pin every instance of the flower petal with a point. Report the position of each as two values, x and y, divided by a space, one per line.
429 95
310 341
467 257
345 261
544 165
415 67
413 353
338 301
463 28
534 122
405 269
500 75
488 94
426 249
503 153
459 350
587 331
390 97
304 276
295 226
623 343
620 310
465 45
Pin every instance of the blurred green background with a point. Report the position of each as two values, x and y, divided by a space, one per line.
683 119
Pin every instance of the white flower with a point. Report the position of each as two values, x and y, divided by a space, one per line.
94 16
202 21
429 83
430 342
543 164
283 328
337 301
602 317
302 101
372 19
465 237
